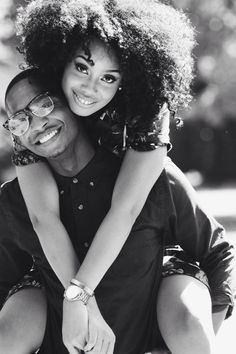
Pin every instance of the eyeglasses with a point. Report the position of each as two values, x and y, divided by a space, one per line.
40 106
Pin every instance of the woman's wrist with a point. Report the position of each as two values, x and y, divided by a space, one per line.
78 291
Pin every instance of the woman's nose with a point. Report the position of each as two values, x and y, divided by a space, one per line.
89 87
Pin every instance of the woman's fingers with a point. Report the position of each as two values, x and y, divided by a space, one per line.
97 349
73 350
110 348
104 344
92 339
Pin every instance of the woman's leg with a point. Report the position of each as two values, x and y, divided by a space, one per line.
184 315
23 322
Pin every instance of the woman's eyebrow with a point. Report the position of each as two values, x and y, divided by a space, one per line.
113 71
89 61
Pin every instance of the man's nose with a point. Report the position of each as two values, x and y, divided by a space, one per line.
38 123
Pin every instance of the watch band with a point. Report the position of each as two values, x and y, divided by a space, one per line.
82 286
81 295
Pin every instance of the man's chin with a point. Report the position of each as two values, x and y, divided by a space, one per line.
55 155
49 154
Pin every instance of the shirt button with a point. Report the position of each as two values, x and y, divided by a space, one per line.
62 192
91 183
81 207
86 244
75 180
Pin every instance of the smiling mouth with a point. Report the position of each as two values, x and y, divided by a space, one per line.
84 101
48 136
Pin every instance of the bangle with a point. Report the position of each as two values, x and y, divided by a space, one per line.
82 286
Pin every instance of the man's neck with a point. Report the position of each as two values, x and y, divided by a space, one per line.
74 159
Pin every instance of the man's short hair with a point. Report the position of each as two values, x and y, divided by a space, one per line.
49 81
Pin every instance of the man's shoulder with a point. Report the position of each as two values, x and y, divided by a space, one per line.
180 186
10 191
9 185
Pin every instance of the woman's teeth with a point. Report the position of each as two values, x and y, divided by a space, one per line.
84 101
48 136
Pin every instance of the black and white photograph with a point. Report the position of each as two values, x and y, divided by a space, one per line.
118 176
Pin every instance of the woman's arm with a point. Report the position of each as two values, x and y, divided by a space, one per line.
42 200
41 196
138 173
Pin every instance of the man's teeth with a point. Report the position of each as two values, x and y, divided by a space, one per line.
48 136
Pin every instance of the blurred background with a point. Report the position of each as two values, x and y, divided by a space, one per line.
205 147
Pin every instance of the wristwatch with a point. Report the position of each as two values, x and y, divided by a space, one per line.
75 293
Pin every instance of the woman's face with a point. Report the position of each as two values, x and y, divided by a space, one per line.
90 83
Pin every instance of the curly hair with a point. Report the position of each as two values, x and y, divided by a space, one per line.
152 40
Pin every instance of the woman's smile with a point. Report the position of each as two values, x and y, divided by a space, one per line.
83 100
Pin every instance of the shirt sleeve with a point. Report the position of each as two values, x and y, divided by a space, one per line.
22 156
150 137
203 239
114 134
14 262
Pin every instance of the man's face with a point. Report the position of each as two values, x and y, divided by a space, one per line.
49 136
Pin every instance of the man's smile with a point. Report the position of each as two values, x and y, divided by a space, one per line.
46 136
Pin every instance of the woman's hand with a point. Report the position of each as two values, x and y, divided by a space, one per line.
84 328
101 338
74 326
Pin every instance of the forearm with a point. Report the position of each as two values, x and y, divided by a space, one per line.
105 247
57 247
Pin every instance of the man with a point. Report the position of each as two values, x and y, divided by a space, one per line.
127 294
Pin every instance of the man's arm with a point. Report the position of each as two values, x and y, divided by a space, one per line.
203 239
14 262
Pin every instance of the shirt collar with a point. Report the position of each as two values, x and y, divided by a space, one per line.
103 162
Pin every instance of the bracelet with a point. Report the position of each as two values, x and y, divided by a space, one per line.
82 286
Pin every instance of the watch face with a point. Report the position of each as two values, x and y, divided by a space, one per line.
73 291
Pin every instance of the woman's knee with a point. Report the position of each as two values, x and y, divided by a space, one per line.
185 297
23 322
184 313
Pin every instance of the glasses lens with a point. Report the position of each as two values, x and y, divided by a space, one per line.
41 106
18 124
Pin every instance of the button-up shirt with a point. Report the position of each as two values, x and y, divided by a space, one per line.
127 294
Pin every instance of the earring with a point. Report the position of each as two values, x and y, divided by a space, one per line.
120 88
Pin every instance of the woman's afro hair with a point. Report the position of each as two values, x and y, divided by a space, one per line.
152 40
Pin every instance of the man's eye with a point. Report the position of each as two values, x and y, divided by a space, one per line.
109 79
81 68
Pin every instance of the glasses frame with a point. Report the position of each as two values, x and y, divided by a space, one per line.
28 113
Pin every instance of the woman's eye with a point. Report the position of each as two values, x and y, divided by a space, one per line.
109 79
81 68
